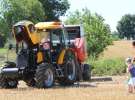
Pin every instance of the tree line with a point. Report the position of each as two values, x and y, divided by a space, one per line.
12 11
98 33
126 27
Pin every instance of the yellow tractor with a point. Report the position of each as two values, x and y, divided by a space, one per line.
44 56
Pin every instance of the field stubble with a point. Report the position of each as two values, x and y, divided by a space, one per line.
110 90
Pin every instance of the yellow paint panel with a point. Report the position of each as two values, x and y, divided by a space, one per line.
61 57
48 25
39 57
35 38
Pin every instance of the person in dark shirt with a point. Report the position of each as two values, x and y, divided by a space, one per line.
131 71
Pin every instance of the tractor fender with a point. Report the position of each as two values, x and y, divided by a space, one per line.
63 53
61 57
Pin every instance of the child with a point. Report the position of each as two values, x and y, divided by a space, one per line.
131 71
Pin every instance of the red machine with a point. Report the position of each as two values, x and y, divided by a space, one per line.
76 37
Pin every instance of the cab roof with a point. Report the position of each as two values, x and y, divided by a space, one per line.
72 25
49 25
24 22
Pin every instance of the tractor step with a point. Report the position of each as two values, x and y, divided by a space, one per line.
59 71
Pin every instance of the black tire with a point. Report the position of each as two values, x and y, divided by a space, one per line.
78 71
69 70
30 83
7 83
86 72
45 76
28 78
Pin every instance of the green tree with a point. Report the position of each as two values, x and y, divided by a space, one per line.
54 8
115 36
13 11
126 26
97 32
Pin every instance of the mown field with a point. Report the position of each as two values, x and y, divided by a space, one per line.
97 90
112 90
119 49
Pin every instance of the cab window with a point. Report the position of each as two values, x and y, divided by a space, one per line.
55 37
31 28
19 32
58 36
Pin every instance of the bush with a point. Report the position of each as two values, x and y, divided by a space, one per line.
115 37
114 66
97 31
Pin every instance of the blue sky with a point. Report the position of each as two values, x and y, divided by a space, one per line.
111 10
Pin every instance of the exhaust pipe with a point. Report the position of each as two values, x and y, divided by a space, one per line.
10 72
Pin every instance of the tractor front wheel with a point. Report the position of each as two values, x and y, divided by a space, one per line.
7 83
86 72
45 76
70 70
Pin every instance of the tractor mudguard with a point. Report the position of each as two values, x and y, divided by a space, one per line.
39 57
61 56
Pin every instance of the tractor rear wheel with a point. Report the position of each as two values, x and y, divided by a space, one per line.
78 71
86 72
45 76
70 70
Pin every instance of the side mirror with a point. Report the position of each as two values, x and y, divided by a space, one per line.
10 46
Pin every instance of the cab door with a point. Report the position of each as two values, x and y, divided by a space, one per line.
57 43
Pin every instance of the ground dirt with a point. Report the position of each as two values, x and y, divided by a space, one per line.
96 90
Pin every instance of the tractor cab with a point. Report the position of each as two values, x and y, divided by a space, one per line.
53 37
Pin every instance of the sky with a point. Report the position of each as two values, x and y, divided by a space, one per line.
111 10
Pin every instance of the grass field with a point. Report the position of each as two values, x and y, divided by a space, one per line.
112 90
3 55
112 60
119 49
3 50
